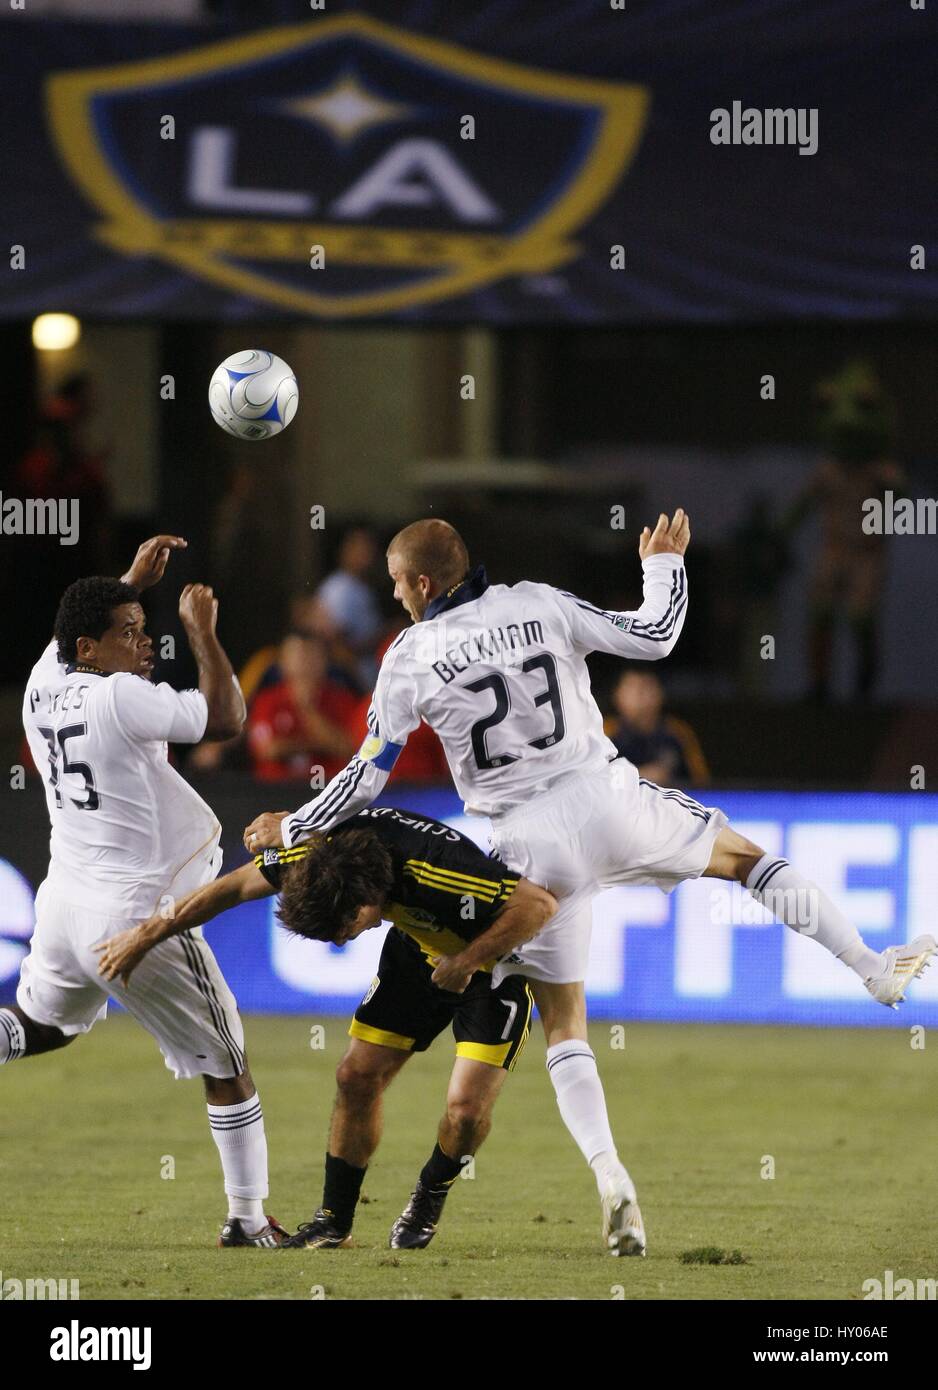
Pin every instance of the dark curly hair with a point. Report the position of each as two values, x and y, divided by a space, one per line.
86 609
322 892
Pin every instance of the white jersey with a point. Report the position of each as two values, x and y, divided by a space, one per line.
126 828
499 673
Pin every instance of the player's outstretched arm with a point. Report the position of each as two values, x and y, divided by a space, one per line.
349 792
650 632
527 912
198 612
147 569
150 561
121 953
668 537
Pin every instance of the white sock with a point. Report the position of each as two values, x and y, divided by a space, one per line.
571 1066
238 1131
12 1037
806 908
249 1211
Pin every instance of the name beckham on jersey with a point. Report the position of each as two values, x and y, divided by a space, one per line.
488 643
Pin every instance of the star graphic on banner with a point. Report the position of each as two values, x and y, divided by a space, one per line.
346 108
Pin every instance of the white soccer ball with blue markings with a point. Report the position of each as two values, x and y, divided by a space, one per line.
253 394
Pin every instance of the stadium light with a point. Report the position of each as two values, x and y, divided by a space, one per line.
54 332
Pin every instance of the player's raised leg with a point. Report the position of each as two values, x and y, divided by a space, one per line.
362 1077
806 908
661 835
571 1065
21 1036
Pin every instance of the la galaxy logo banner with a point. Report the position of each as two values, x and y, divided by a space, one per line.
357 145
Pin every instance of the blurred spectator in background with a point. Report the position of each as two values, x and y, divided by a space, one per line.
663 748
305 720
306 614
348 610
856 427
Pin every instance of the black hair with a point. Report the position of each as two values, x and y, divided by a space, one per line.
86 609
322 892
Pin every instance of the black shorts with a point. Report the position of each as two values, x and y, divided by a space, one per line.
404 1009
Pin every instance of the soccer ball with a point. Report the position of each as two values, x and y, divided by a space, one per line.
253 394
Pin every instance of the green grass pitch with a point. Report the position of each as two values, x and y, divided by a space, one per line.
848 1117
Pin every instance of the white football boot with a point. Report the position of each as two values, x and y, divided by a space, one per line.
623 1228
901 964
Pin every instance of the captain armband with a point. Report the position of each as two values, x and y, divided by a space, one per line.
380 752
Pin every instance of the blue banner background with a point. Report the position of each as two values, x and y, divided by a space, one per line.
638 932
679 957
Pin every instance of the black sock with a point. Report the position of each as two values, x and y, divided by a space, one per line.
340 1191
440 1170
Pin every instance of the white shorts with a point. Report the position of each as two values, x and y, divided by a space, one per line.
177 991
598 829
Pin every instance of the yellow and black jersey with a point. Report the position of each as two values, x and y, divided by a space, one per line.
446 890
